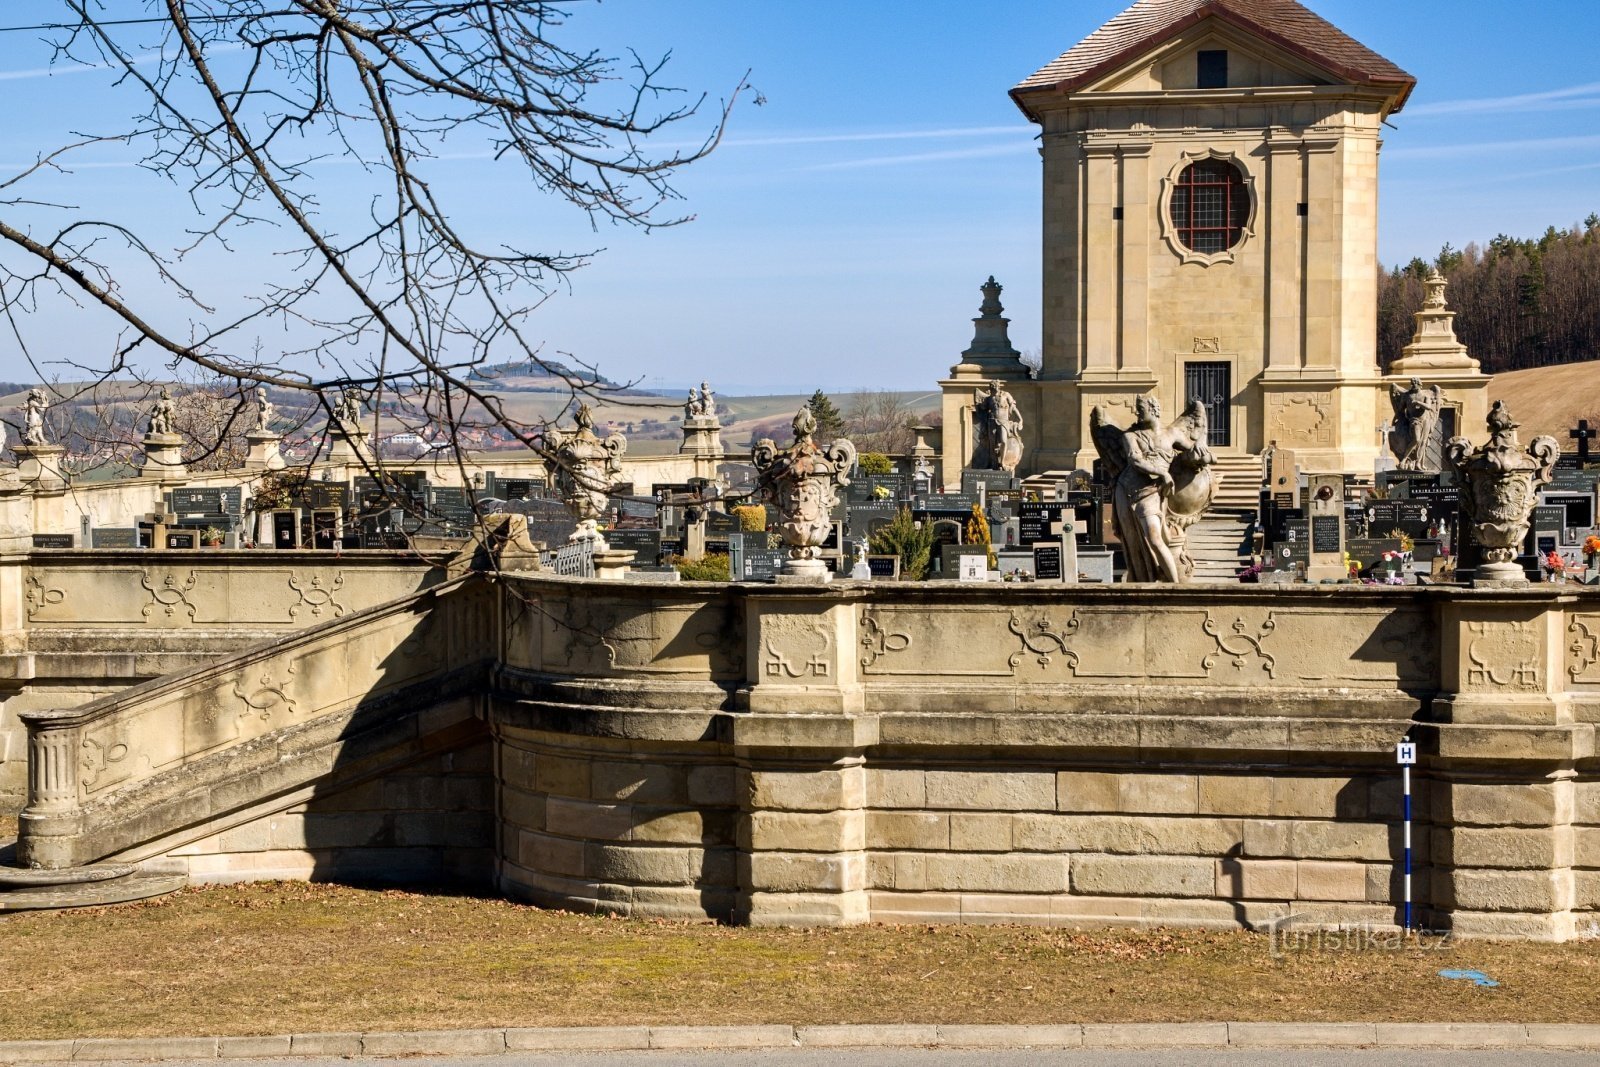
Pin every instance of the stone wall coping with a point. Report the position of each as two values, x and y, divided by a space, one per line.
499 1041
1120 593
232 557
277 646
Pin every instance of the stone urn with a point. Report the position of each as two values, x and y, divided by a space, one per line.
586 468
1499 486
803 482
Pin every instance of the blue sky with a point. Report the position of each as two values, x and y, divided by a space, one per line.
843 228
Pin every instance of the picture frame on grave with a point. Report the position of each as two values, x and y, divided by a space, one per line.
884 567
972 567
54 540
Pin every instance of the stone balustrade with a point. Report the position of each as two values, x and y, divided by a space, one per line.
893 752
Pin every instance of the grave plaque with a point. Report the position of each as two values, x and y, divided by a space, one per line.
324 496
114 537
514 488
947 503
884 567
182 539
1325 531
645 544
54 541
197 502
1036 521
1047 562
989 480
973 568
759 564
1288 553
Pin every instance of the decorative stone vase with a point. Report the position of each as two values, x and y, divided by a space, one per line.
803 482
586 467
1499 486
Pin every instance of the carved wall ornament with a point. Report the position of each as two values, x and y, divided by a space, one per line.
1043 641
98 759
169 596
268 696
876 642
1241 646
1208 346
40 596
1300 419
794 647
1504 655
1584 648
315 597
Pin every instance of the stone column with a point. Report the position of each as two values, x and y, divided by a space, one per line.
53 819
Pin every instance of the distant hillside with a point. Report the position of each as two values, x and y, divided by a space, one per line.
529 376
1548 400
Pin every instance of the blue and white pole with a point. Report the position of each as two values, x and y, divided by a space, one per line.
1405 754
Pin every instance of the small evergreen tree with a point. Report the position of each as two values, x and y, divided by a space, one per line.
978 534
830 423
903 538
874 463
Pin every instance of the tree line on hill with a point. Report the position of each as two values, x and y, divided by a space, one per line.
1519 302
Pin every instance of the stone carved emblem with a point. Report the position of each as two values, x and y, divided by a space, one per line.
265 698
315 597
1504 656
1240 645
1584 649
98 761
1500 485
40 597
1041 640
793 647
877 643
169 595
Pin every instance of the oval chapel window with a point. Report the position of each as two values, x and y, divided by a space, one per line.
1210 206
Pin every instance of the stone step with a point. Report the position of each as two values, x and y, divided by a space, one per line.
141 885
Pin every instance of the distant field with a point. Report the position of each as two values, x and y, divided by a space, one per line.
1548 400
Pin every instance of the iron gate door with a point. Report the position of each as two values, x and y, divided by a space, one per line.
1212 385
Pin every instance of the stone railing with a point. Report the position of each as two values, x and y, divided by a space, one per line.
85 624
187 755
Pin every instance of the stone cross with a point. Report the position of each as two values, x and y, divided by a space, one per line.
1068 527
1583 435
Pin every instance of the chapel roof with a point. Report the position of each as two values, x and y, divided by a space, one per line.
1284 23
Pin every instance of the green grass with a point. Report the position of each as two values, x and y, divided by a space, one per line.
290 957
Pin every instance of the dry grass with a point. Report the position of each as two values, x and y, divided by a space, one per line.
276 958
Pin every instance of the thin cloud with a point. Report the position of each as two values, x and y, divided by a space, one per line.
926 157
878 135
1574 96
1487 147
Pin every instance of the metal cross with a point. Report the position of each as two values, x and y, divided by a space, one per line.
1583 435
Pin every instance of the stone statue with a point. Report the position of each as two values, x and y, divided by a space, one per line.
1164 483
997 430
803 481
162 415
348 410
264 411
1416 423
586 468
1499 486
33 418
702 403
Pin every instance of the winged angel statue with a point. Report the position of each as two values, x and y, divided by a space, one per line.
1164 482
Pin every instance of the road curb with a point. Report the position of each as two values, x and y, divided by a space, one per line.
493 1042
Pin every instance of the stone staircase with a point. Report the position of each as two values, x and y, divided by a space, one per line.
1219 545
1240 489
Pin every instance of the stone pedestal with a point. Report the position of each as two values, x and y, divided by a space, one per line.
163 457
805 572
611 564
702 436
40 466
348 445
264 451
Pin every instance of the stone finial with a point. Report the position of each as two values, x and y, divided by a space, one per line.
991 354
1434 345
586 468
803 481
1500 485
